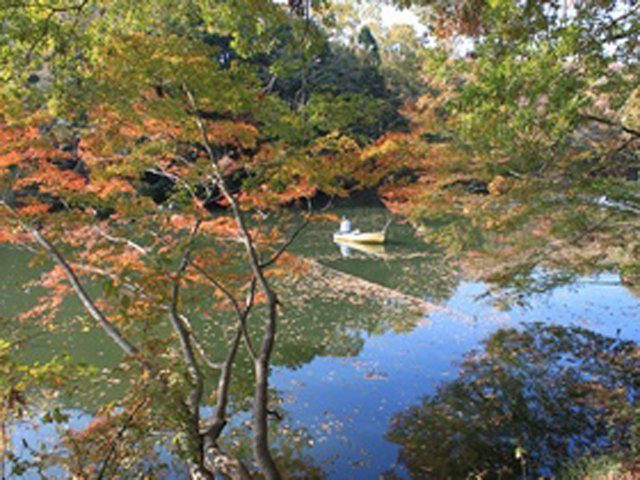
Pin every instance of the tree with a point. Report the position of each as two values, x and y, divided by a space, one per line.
135 91
403 54
530 135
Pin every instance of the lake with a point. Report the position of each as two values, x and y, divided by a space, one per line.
393 363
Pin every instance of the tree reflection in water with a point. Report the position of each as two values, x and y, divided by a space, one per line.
533 399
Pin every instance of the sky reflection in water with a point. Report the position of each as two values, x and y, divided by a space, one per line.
347 403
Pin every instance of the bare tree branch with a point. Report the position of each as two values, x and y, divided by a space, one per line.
263 359
274 258
113 444
124 240
181 331
611 123
197 345
84 296
242 314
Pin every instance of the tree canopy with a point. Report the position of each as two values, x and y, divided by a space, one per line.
529 130
160 158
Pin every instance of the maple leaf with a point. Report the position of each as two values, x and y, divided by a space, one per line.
50 178
223 226
107 188
236 133
34 209
9 236
11 158
182 222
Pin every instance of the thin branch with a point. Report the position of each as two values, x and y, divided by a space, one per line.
225 291
269 86
615 21
248 305
196 447
139 291
611 123
114 442
41 38
274 258
181 331
124 240
174 178
111 330
53 8
197 345
84 296
221 462
90 269
254 263
222 392
241 313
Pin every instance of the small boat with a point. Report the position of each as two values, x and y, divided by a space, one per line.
360 237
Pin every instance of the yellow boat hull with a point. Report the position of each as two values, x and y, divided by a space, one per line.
360 237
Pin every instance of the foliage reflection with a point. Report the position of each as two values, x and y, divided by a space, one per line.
531 400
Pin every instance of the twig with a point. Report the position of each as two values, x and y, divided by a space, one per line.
124 240
84 297
611 123
114 442
241 313
274 258
197 345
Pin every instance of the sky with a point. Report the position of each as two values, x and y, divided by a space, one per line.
392 15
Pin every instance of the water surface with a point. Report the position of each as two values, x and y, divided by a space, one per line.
359 366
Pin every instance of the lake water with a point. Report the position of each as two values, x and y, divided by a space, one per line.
370 387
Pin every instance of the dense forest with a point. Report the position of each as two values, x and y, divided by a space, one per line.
160 160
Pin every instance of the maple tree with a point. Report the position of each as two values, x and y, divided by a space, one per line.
124 126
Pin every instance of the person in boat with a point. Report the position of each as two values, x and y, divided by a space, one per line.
345 225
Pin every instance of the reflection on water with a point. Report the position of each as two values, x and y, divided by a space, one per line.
347 249
350 404
374 371
531 399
